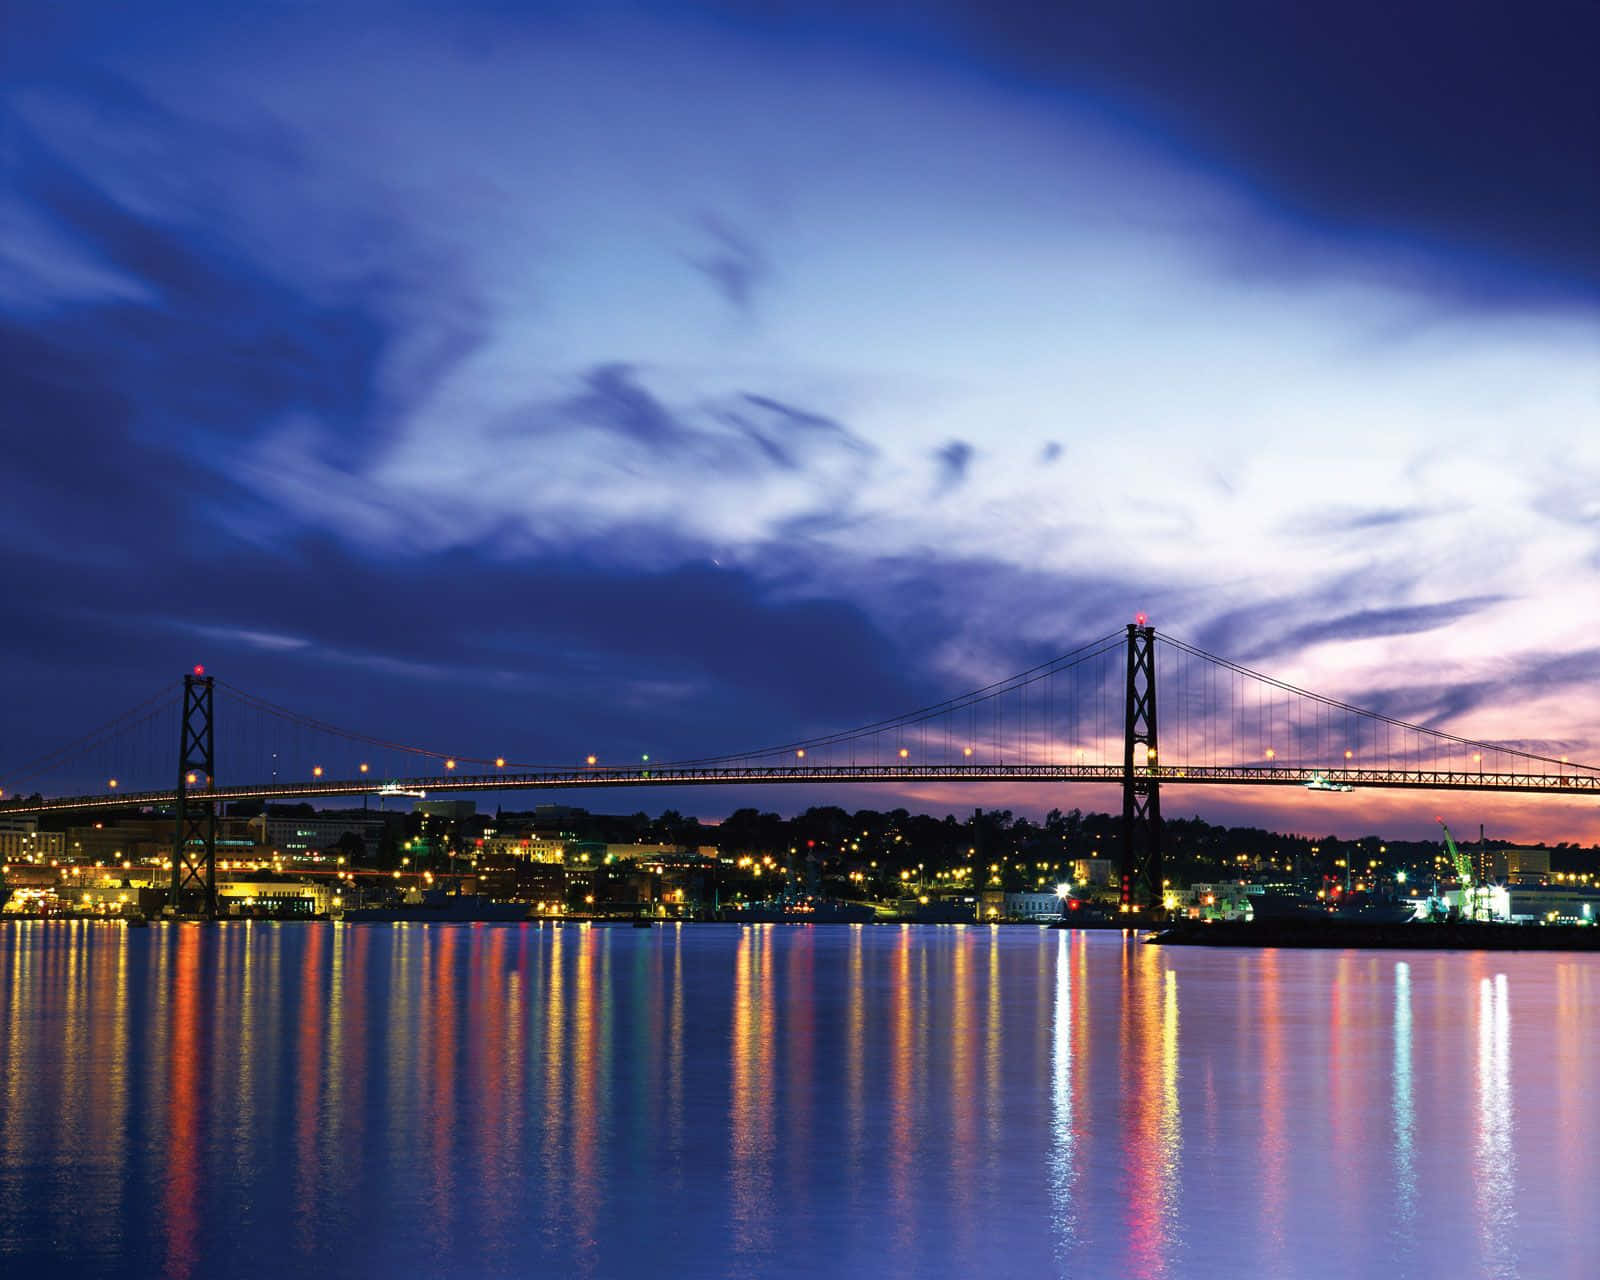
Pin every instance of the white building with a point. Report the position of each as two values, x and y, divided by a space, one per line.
1033 906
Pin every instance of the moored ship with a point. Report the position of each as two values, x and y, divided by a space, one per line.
436 906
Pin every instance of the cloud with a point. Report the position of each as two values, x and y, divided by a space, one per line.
434 391
613 400
786 434
1379 518
1522 685
733 263
1367 623
1470 166
953 459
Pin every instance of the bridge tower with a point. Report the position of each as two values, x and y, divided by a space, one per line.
194 843
1141 789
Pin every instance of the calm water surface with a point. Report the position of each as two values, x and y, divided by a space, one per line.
251 1099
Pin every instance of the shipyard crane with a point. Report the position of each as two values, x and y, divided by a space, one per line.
1463 868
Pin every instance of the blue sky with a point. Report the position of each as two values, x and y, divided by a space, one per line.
695 376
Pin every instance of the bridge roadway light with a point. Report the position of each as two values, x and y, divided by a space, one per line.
316 771
112 784
500 762
800 754
363 767
449 764
1271 754
904 753
591 760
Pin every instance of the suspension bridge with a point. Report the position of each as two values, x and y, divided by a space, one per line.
1088 716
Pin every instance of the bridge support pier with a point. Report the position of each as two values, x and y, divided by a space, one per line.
194 839
1141 787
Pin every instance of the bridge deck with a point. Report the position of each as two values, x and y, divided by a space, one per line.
1566 783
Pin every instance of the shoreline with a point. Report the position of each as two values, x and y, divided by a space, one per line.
1409 936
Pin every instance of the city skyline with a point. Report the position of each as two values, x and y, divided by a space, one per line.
682 379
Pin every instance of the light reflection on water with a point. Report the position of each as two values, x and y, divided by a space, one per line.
1405 1175
1495 1158
717 1100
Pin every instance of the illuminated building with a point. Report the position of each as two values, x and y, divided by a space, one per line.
21 840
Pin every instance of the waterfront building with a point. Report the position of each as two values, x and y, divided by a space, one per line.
508 877
250 895
1515 865
299 835
1033 906
529 848
1551 904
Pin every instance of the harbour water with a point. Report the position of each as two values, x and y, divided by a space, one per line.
248 1099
